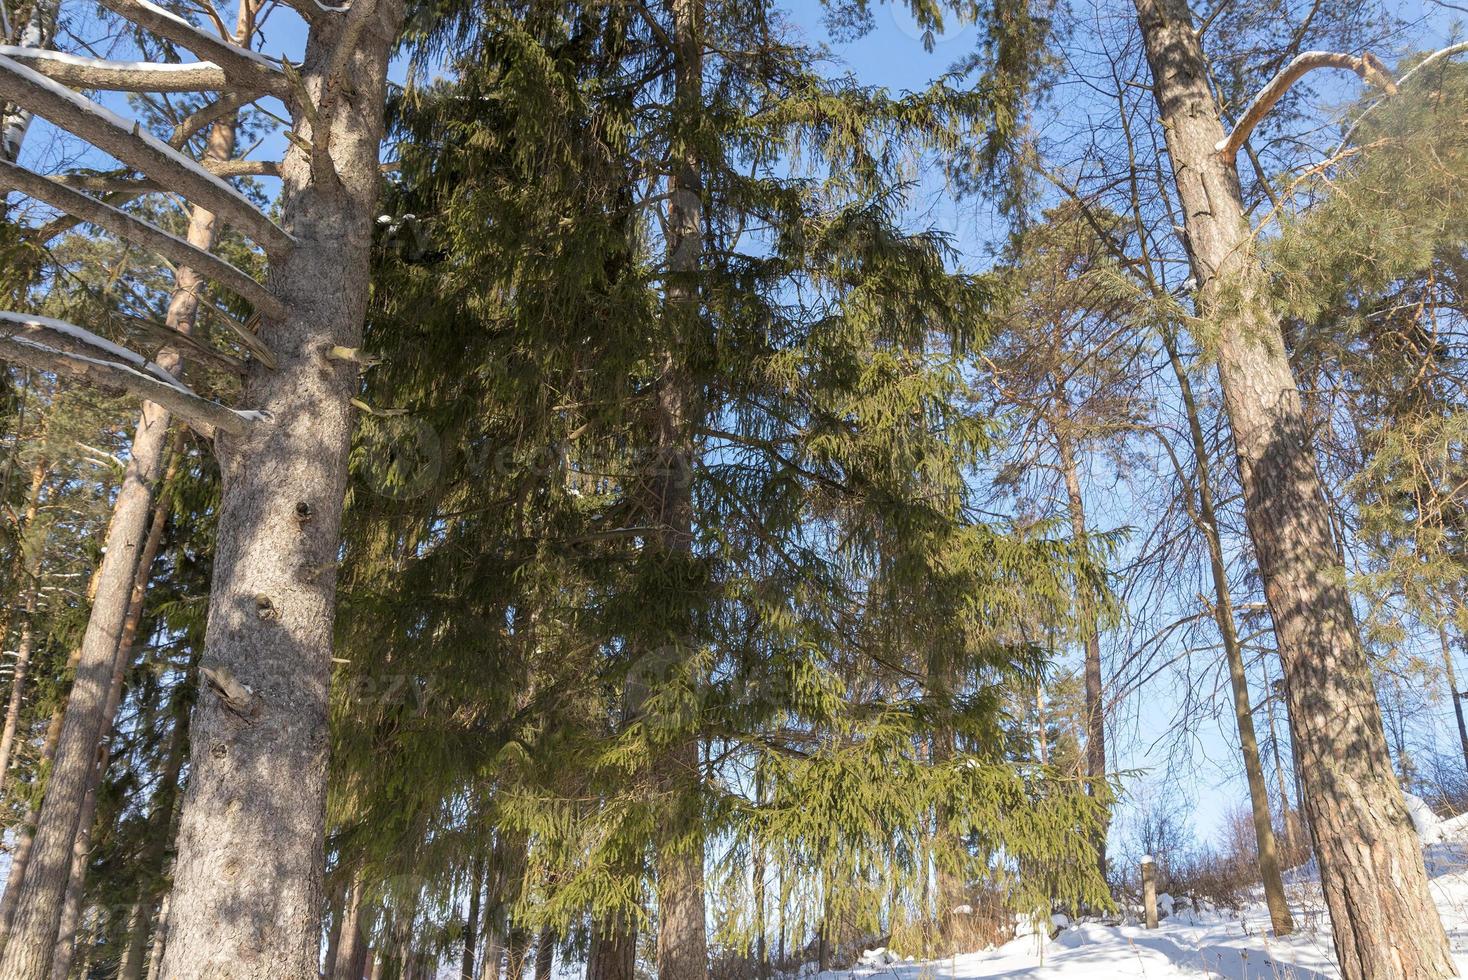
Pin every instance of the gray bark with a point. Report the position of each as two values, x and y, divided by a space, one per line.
257 781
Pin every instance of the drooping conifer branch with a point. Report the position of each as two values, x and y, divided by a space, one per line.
142 233
129 143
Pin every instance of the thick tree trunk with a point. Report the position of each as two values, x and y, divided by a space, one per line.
1095 707
1382 915
257 782
30 570
1223 611
613 953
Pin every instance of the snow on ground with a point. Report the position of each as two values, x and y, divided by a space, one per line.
1218 944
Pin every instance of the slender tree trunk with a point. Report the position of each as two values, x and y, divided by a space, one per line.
1094 706
30 569
545 953
71 912
682 936
352 947
516 953
757 872
257 765
1384 922
1450 674
339 899
1223 611
26 835
471 922
160 937
613 953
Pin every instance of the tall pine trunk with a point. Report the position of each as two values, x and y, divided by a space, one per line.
1382 916
257 783
471 921
1223 612
613 954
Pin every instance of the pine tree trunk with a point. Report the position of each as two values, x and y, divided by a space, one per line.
30 569
257 782
1382 916
1223 611
71 912
160 937
353 946
613 954
1095 707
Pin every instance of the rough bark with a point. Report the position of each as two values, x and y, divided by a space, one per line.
353 945
71 911
613 954
257 781
1383 919
1206 518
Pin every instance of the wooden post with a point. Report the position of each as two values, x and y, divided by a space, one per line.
1149 890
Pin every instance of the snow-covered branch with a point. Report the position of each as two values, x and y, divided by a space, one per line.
137 148
1368 66
45 344
118 76
245 68
140 232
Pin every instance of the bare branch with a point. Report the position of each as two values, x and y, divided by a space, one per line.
129 143
1368 66
118 182
53 345
118 76
245 68
143 233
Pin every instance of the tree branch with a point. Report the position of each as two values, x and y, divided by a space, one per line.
129 143
119 76
1368 66
53 345
141 232
118 182
245 68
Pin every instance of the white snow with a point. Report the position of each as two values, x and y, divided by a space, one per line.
111 118
1189 943
62 57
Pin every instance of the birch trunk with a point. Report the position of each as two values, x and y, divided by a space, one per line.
257 782
1383 919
